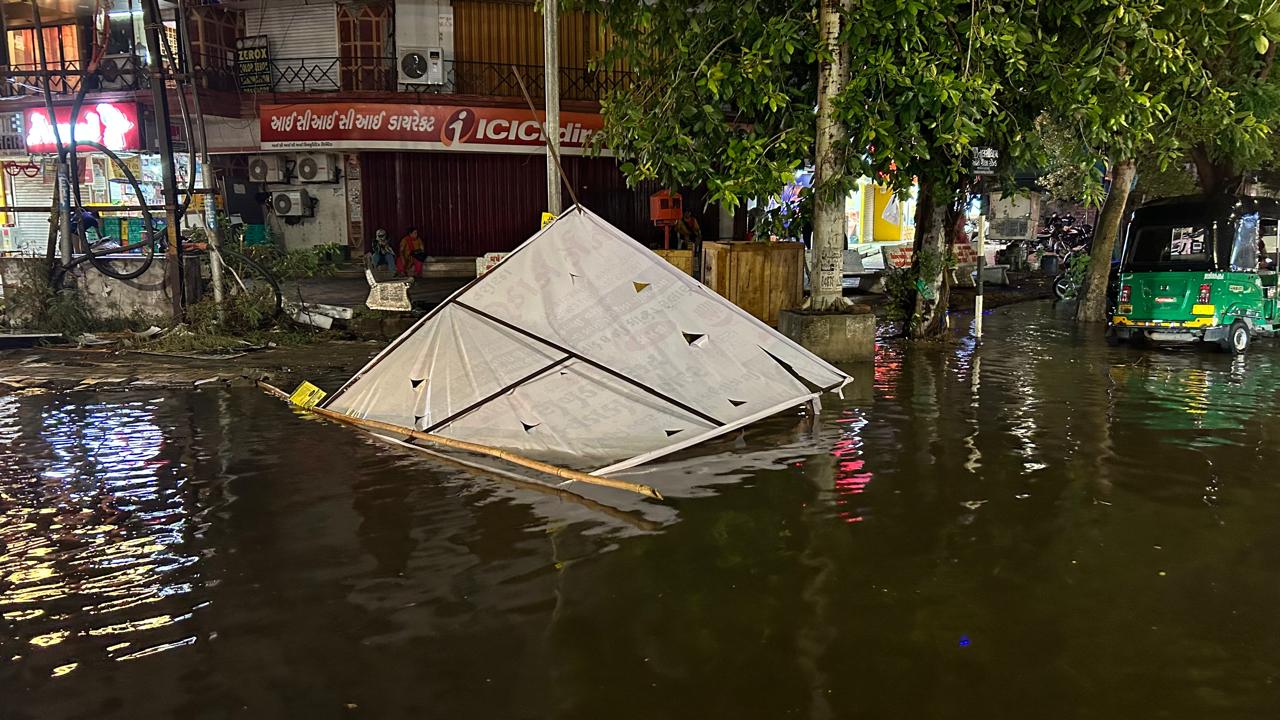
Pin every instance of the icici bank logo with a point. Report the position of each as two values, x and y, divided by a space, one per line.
459 128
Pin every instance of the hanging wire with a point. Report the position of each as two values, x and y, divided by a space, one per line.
555 154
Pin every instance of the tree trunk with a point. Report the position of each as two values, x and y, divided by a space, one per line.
933 290
1213 177
829 242
1093 295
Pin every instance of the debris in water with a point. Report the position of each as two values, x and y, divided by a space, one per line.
634 361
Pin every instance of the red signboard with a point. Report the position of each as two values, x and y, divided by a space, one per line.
112 124
393 126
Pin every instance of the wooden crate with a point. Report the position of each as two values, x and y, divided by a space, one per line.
682 259
761 278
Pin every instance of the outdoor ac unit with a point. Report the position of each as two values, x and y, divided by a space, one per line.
118 72
266 168
421 65
292 203
317 168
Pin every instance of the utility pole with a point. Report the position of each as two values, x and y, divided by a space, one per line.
982 262
210 204
160 99
551 83
63 172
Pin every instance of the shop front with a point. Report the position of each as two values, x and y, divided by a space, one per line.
471 178
29 180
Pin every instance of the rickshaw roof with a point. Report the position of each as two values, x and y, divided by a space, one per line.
1192 207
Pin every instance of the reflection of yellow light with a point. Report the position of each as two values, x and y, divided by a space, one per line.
32 575
63 669
1197 384
1203 309
19 615
50 639
147 624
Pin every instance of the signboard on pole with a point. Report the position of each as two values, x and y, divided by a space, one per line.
253 63
985 161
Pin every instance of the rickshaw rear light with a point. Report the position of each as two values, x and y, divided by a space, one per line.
1206 293
1125 293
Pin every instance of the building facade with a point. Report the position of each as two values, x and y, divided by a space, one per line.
330 119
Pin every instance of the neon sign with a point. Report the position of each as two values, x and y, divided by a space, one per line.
114 125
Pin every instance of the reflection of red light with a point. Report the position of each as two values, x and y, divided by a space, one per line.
851 477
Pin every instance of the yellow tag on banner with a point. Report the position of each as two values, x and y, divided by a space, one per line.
547 219
307 395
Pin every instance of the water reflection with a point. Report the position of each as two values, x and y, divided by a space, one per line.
1033 526
92 528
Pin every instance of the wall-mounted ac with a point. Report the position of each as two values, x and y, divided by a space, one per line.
118 72
292 203
317 168
266 168
421 65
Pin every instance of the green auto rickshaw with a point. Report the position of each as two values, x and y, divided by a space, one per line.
1196 269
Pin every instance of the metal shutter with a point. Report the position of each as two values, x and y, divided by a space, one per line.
31 230
303 42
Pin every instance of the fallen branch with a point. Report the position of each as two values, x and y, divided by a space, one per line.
513 458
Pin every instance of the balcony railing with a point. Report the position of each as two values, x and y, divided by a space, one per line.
346 74
320 74
115 73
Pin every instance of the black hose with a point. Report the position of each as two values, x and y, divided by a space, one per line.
148 243
67 155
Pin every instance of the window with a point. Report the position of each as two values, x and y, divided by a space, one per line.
364 47
61 49
1244 249
1158 247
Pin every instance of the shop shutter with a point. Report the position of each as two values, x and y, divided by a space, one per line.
468 204
303 41
31 230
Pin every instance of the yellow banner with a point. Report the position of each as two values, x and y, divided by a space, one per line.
307 395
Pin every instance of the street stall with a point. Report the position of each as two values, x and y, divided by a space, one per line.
29 180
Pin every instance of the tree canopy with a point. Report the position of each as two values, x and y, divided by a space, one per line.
725 92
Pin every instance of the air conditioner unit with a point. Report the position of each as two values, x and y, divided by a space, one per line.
266 168
118 72
317 168
421 65
292 203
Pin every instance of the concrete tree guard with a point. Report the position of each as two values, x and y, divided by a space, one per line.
833 336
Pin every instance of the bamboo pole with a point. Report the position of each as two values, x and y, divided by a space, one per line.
513 458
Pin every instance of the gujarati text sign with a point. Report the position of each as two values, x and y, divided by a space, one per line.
395 126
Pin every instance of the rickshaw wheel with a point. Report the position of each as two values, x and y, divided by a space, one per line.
1237 340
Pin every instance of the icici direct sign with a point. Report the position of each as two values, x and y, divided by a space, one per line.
114 125
367 126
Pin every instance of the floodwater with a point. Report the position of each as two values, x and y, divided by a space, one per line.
1042 528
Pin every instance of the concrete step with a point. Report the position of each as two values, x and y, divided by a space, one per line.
441 267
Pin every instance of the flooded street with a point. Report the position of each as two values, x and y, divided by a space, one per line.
1045 527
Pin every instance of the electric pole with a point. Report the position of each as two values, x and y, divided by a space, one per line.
551 84
160 99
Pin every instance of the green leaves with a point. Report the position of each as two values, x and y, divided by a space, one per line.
725 92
